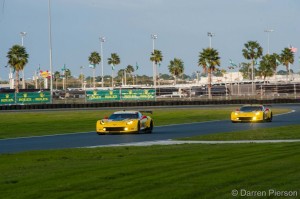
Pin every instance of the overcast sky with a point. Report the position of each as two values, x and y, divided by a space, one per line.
181 26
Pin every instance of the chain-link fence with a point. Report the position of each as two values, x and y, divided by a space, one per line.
259 91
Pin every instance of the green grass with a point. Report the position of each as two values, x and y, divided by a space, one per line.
177 171
23 124
275 133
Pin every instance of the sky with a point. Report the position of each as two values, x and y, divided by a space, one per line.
181 27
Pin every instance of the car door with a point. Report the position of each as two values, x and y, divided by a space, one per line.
143 121
266 112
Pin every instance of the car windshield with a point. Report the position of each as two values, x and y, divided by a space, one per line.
251 108
119 116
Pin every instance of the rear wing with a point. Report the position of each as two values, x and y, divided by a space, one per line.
267 105
151 112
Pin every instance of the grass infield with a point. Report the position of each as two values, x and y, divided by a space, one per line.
176 171
24 124
275 133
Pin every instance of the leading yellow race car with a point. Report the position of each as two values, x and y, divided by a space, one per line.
125 122
252 113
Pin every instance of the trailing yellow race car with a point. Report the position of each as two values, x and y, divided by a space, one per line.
252 113
125 122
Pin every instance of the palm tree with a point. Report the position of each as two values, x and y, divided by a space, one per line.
120 75
156 57
94 59
252 51
17 59
223 72
209 59
176 68
129 70
275 63
56 77
287 58
246 70
113 60
266 67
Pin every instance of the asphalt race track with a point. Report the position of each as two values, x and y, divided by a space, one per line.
160 133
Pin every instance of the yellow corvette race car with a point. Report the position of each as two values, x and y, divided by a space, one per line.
252 113
125 122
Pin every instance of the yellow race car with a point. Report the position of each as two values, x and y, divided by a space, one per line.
125 122
252 113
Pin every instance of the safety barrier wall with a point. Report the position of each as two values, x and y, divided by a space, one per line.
143 104
25 98
120 94
90 96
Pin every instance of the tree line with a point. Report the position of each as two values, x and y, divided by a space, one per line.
208 59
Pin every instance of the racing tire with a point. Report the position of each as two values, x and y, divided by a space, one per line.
270 119
138 127
150 129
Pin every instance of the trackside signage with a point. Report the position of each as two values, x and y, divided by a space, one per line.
138 94
33 98
122 94
103 95
7 98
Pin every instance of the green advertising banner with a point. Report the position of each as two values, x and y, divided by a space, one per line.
33 98
102 95
138 94
7 98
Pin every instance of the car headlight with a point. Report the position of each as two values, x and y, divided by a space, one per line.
235 113
130 122
102 122
257 113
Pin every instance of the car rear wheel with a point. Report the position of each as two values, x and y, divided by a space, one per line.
150 129
138 127
270 118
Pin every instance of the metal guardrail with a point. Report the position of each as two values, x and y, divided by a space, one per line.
144 104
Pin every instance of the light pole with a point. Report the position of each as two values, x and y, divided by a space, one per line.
231 82
102 40
153 37
81 76
268 31
210 35
238 83
50 49
197 72
23 34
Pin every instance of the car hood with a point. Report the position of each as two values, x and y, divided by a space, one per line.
247 114
119 120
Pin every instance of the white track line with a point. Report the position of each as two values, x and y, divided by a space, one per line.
172 142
